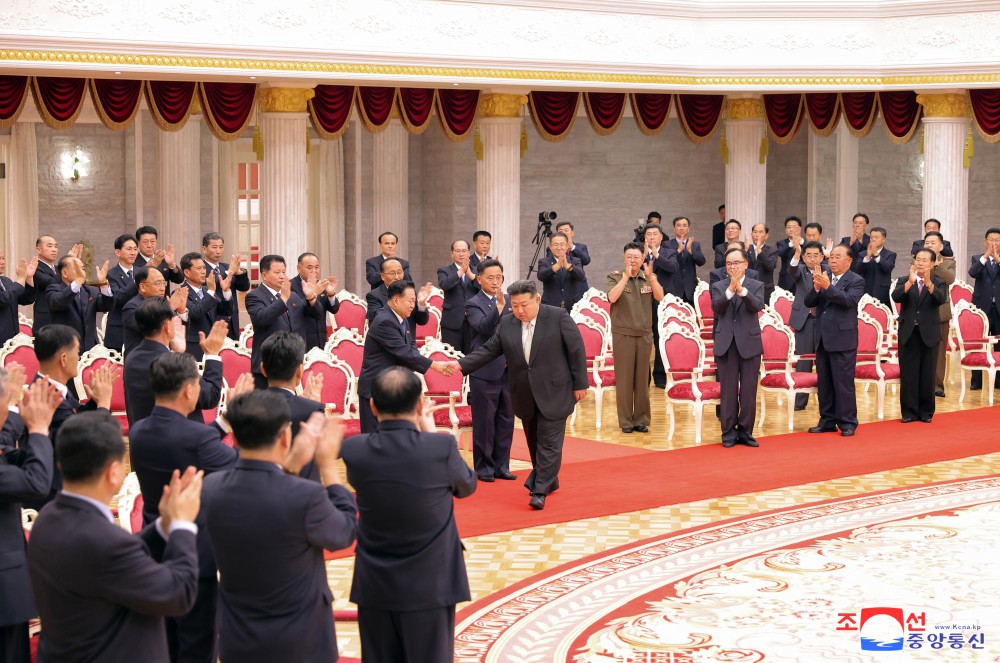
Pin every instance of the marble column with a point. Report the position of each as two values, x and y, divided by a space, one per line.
391 187
227 183
22 194
746 175
178 216
498 180
946 177
283 172
330 211
846 201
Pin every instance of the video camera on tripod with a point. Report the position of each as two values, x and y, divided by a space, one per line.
543 231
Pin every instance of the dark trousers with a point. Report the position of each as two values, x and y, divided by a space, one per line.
545 442
805 344
738 379
191 638
14 646
417 636
659 372
917 364
492 425
993 315
259 381
369 423
460 339
942 355
838 405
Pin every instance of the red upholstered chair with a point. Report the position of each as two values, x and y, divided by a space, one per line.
778 372
352 312
24 324
129 500
781 303
598 298
20 349
976 348
235 361
587 310
349 346
599 378
246 337
449 395
28 517
93 359
703 305
437 298
683 357
885 318
874 366
960 291
338 379
432 330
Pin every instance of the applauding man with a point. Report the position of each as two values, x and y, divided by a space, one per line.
559 273
74 304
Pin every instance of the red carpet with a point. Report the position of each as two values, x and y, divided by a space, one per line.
576 449
612 485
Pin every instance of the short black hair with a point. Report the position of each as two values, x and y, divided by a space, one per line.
208 237
467 247
680 218
170 371
140 275
52 339
738 243
813 224
387 232
257 418
480 233
992 231
399 288
565 223
268 260
812 245
563 235
187 260
879 229
932 220
651 226
87 443
489 262
303 256
145 230
789 219
121 240
926 250
935 233
742 253
382 267
150 316
63 262
863 216
634 245
38 242
653 215
523 287
722 207
282 354
738 224
396 390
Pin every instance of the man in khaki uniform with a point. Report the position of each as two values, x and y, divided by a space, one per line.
631 293
944 270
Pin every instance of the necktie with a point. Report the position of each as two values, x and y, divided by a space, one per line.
129 274
527 342
406 329
834 280
494 300
920 287
201 293
3 288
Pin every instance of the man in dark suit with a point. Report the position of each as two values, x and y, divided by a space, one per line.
762 258
47 251
803 318
28 477
652 219
719 229
103 593
123 288
574 249
269 529
481 242
859 239
458 281
213 247
721 273
921 296
160 331
547 366
944 269
326 292
738 349
835 298
152 256
161 443
559 273
13 293
489 392
683 282
985 274
876 267
390 342
409 572
151 285
273 307
205 305
76 305
666 265
733 232
932 226
373 266
378 298
786 251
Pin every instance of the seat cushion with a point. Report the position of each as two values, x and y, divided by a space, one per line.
352 427
799 381
868 372
980 359
685 391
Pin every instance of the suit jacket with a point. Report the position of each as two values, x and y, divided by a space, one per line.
986 289
378 299
204 310
666 265
240 283
123 289
858 248
736 318
474 260
275 604
557 365
920 311
373 270
764 264
386 346
301 409
139 399
682 282
409 556
803 286
456 293
130 331
315 327
785 253
946 272
174 275
270 315
919 244
720 255
837 312
878 275
44 277
27 479
166 441
77 310
12 295
720 274
560 287
103 592
718 233
484 318
583 253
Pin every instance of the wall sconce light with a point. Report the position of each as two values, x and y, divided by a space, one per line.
74 164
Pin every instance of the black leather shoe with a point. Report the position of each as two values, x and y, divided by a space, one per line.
728 444
907 420
627 429
749 441
847 433
506 476
537 502
486 479
926 420
640 429
799 408
820 429
939 393
660 386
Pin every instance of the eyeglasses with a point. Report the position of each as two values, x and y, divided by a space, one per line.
736 264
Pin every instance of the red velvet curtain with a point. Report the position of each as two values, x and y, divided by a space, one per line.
228 107
859 111
13 92
170 103
116 101
604 110
553 113
415 106
375 106
699 114
784 115
901 114
59 100
457 112
330 109
651 111
823 109
986 112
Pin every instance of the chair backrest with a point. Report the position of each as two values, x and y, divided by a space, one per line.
896 306
235 361
246 336
21 349
778 341
93 359
440 386
436 298
433 327
587 308
971 326
878 311
960 291
348 346
352 312
593 339
703 301
681 350
781 302
130 504
598 298
870 334
674 303
675 318
24 324
338 378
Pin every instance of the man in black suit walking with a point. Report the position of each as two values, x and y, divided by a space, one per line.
458 281
547 367
683 282
269 529
921 296
876 265
859 239
738 349
373 266
835 298
103 593
932 226
489 391
390 342
803 318
47 252
985 273
762 258
152 285
121 278
76 305
409 572
213 247
559 273
326 291
205 304
20 291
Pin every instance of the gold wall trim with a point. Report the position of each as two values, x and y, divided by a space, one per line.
945 105
502 105
745 109
284 99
